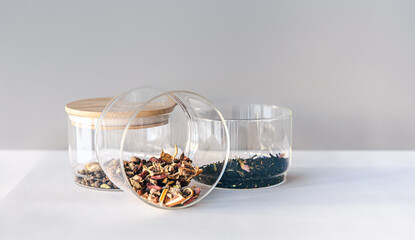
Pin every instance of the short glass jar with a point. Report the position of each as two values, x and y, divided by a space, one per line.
260 145
159 164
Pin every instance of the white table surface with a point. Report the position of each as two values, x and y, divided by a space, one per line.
328 195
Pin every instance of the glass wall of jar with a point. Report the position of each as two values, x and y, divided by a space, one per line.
82 118
161 165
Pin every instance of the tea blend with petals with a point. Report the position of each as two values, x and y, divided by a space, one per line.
253 172
164 180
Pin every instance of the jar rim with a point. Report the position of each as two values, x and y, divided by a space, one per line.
223 108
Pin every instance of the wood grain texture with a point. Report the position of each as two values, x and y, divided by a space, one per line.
93 107
132 127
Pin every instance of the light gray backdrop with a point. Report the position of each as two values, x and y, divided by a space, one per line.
345 68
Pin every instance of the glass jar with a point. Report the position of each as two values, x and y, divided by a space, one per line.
260 145
160 164
83 116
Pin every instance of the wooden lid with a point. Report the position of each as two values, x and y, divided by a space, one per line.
93 107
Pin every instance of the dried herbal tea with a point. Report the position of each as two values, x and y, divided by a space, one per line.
94 176
240 173
164 180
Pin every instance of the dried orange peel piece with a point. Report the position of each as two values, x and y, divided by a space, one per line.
163 196
175 201
190 195
175 151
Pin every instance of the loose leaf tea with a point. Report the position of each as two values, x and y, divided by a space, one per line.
93 176
240 173
163 180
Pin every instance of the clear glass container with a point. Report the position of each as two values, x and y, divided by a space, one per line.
260 145
82 118
157 155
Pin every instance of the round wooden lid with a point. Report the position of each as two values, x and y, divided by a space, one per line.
93 107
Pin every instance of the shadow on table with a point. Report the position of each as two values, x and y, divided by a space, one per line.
296 178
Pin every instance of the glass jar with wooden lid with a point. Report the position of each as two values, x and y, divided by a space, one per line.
83 116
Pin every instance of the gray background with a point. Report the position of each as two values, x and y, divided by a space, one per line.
345 68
